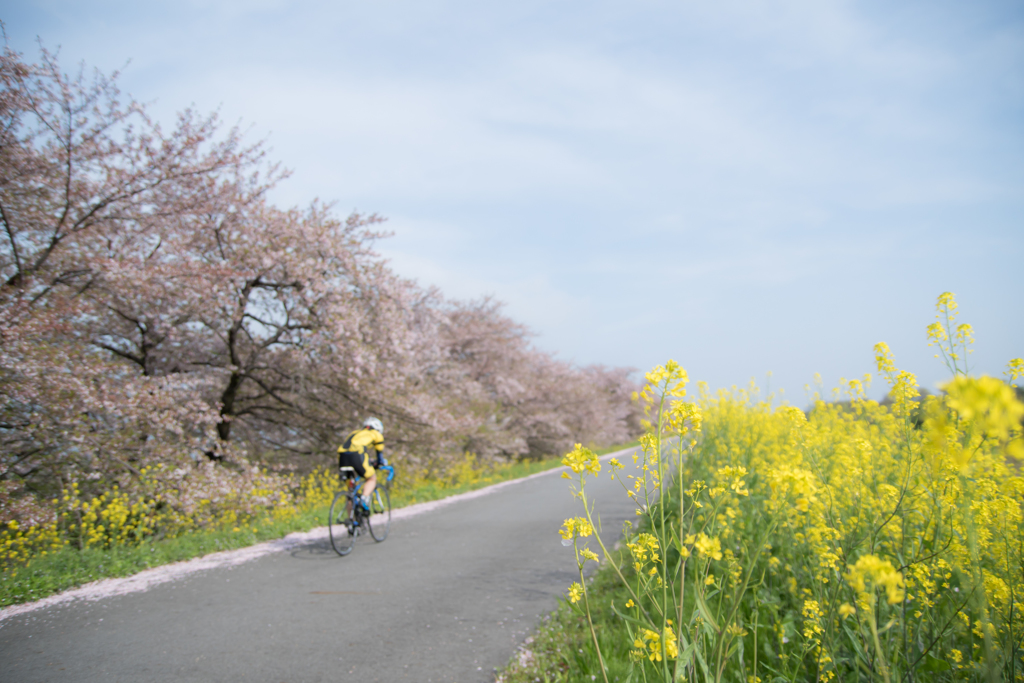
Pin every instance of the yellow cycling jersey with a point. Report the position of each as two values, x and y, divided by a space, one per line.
365 441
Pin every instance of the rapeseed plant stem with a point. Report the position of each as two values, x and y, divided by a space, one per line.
737 598
977 581
872 623
661 511
586 606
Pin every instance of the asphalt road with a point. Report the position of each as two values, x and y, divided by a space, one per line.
447 597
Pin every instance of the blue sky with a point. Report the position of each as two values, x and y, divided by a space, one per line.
741 186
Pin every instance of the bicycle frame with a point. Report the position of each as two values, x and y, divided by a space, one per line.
355 519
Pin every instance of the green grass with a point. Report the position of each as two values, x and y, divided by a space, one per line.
70 567
561 650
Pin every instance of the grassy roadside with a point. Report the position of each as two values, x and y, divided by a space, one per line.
561 649
70 567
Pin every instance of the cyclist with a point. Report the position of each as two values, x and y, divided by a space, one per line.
357 451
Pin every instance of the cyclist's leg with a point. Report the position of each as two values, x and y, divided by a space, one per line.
358 462
371 478
368 486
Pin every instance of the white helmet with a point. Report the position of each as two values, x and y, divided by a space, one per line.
374 423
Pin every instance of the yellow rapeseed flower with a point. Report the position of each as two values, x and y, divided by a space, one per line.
709 547
986 402
736 630
871 571
581 459
576 527
884 359
643 548
1015 369
671 644
684 418
653 639
735 474
671 378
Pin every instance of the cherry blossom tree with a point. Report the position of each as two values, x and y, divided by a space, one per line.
86 185
159 314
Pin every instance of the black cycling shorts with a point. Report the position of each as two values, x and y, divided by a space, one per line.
360 462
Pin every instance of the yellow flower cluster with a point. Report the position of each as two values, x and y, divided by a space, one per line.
951 340
735 476
576 527
117 517
18 545
990 407
684 418
709 547
669 379
656 646
582 459
904 384
643 549
1015 369
871 572
792 485
905 515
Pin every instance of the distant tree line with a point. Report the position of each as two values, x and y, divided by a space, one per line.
158 313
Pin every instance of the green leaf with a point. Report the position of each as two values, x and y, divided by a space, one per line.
687 655
703 664
630 619
705 612
933 664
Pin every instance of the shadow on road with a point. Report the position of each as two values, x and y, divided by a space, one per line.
316 550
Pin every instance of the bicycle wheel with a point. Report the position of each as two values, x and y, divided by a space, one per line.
340 524
379 519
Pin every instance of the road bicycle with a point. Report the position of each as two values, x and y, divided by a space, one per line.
348 519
